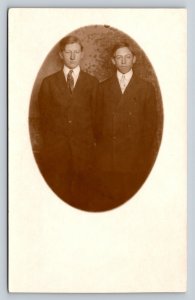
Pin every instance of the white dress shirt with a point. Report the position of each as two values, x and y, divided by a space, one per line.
75 73
124 79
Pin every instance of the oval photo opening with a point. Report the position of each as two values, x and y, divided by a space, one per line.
96 118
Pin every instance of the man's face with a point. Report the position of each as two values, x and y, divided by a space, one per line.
123 60
71 55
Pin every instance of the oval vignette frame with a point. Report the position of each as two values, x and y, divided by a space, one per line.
97 41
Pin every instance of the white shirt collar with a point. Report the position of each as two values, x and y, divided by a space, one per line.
75 73
128 75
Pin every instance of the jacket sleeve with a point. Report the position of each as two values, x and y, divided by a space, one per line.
98 115
149 129
45 111
94 103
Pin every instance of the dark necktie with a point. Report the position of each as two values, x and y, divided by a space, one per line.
70 81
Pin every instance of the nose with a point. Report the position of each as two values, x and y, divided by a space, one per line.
72 56
124 60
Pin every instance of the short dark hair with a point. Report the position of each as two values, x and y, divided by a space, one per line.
70 39
121 45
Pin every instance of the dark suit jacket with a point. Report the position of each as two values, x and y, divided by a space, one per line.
66 122
125 125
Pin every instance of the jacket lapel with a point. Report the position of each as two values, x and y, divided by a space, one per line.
62 89
80 83
116 91
130 91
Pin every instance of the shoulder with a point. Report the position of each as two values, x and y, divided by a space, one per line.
50 83
88 77
142 83
145 90
52 77
108 81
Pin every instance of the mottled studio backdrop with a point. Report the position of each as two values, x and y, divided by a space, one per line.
97 41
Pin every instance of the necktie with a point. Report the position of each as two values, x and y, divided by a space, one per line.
70 81
123 83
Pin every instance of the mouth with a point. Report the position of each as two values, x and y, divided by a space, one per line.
123 66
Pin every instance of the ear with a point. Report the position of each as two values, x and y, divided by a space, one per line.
61 55
113 61
134 59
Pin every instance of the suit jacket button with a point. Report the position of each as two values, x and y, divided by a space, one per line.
69 121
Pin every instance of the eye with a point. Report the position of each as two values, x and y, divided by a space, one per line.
128 56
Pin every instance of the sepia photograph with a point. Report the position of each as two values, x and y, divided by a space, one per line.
96 118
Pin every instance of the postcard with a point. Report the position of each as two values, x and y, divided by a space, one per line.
97 150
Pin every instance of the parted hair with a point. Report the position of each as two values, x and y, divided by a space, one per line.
70 39
121 45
